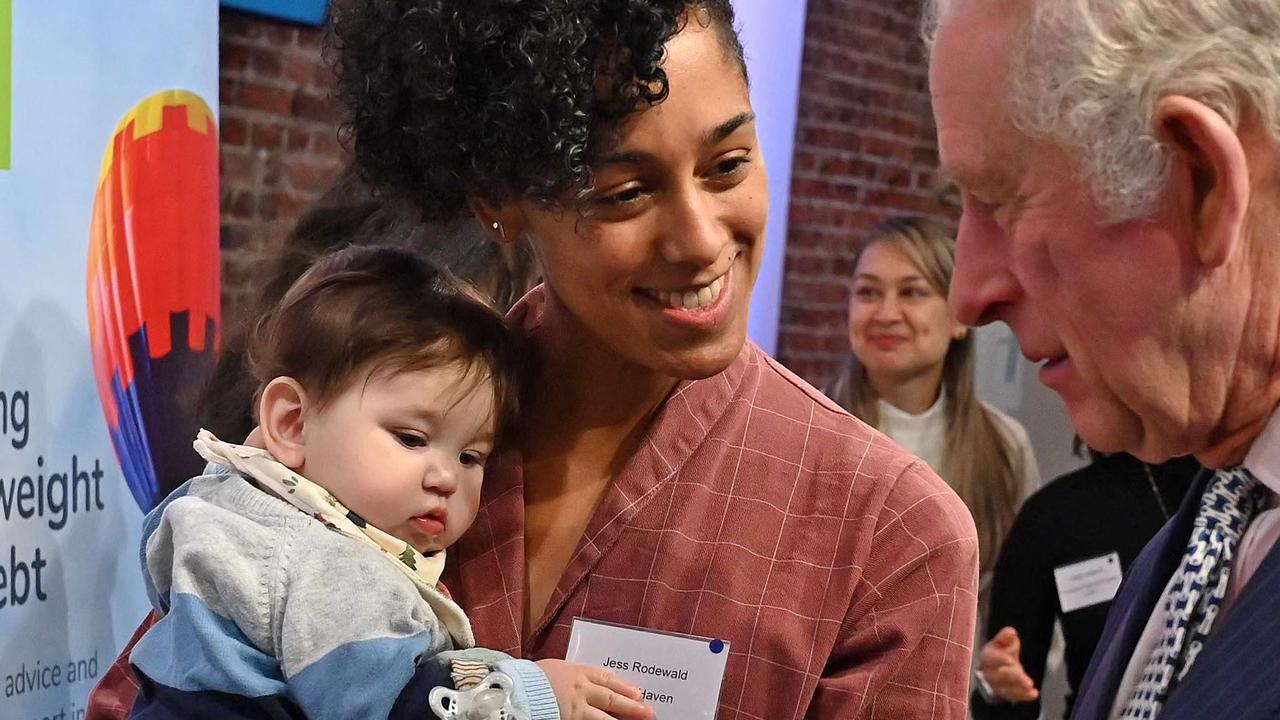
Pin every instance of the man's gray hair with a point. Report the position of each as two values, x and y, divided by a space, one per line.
1087 74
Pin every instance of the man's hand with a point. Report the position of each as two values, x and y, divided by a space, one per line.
590 692
1001 667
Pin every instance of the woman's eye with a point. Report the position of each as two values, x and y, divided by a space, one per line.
411 440
729 166
623 197
864 292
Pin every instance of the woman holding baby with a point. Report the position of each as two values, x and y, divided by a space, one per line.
664 472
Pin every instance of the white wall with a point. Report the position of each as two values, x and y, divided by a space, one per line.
772 34
1006 380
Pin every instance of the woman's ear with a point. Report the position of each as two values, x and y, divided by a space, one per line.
281 419
959 330
1210 178
502 223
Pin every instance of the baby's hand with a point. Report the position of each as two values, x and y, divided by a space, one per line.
589 692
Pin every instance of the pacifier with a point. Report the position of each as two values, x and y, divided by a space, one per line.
489 700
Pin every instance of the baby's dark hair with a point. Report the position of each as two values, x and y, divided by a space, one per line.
367 309
501 99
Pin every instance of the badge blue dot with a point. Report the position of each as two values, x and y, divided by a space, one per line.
717 647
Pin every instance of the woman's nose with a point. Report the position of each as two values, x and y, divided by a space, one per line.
888 309
693 234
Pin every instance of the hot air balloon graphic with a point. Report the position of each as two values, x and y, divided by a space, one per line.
153 286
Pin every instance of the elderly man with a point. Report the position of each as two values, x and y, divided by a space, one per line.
1119 162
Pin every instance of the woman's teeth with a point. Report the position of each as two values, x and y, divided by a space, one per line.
701 298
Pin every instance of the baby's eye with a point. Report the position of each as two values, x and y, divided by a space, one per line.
411 440
471 459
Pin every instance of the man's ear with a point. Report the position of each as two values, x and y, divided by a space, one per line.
502 223
281 419
1210 178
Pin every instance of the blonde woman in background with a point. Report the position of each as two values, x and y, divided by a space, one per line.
911 375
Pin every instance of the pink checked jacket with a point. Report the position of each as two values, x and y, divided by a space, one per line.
842 571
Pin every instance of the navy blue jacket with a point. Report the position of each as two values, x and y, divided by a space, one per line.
1237 674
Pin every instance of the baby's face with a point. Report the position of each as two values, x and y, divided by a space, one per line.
405 451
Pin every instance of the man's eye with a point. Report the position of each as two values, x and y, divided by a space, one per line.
982 205
411 440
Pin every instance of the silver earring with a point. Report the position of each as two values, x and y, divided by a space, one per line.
497 227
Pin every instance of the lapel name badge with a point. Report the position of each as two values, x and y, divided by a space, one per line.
1088 582
680 675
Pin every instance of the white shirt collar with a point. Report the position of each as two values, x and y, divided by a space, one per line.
1263 458
900 415
922 435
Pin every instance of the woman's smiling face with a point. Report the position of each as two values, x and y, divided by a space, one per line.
900 326
660 266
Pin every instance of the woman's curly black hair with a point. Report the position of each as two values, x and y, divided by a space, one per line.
500 99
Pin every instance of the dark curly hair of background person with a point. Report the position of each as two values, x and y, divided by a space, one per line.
499 99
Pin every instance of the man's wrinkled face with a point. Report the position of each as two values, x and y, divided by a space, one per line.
1109 310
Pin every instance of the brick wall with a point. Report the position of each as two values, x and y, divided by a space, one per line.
280 147
865 149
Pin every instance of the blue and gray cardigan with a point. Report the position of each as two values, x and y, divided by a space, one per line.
268 613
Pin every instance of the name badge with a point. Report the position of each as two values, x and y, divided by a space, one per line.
680 675
1088 582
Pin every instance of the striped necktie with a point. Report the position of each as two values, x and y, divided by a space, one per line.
1198 587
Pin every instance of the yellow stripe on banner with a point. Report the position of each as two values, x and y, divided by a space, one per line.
148 117
6 82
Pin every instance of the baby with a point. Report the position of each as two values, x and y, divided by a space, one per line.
303 579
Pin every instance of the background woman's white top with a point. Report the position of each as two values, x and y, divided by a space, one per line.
925 436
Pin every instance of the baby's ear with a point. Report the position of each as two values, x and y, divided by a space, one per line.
280 413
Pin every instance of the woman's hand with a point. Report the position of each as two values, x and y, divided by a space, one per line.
589 692
1001 667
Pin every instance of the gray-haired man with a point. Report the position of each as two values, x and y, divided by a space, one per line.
1119 162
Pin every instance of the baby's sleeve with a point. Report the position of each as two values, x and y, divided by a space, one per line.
533 694
207 571
367 645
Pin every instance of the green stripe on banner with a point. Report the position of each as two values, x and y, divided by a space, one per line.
6 81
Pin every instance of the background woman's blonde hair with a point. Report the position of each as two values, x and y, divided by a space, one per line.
977 459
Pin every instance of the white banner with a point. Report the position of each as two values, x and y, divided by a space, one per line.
108 146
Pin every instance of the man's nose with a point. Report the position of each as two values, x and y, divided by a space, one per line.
983 284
